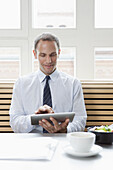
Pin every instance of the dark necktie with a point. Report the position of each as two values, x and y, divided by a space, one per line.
47 93
47 96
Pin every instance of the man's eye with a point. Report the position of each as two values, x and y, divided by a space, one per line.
42 55
53 54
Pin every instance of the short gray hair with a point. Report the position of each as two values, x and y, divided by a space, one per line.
46 37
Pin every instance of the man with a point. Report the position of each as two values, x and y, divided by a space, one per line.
47 91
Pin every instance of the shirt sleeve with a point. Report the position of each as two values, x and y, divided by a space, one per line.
79 121
19 121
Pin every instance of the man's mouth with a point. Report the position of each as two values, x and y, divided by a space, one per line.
48 66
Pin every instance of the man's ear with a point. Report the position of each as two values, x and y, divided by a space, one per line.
59 51
34 52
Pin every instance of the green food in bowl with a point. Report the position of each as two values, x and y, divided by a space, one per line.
102 128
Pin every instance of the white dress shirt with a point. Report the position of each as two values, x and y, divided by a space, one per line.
67 96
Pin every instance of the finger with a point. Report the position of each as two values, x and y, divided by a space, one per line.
67 120
44 109
46 106
56 124
50 126
40 110
65 124
47 123
44 126
48 109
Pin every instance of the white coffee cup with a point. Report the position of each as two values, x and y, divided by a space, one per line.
81 141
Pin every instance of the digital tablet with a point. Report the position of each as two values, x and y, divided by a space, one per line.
60 117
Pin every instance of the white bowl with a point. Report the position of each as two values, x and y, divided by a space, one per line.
81 141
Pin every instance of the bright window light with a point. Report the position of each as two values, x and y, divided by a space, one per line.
103 13
103 63
53 13
9 14
9 62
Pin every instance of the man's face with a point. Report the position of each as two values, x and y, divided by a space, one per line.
47 53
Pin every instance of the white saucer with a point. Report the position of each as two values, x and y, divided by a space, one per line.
94 151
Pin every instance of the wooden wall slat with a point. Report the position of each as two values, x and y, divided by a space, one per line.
98 101
6 85
4 96
99 107
94 86
4 123
6 129
4 112
97 112
5 118
98 96
5 101
4 106
100 118
88 124
98 85
98 91
6 90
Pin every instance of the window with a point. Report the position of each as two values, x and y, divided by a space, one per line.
9 63
53 14
103 13
103 63
10 14
65 62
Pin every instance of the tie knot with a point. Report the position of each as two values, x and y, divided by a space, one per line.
47 78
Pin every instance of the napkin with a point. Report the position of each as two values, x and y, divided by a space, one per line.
38 148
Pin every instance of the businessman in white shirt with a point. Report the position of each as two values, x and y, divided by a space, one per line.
65 93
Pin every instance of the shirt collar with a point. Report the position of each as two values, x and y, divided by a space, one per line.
42 76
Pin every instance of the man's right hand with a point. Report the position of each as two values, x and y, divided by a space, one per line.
44 109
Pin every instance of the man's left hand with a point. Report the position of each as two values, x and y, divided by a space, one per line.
56 127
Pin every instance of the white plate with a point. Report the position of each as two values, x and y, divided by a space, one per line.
94 151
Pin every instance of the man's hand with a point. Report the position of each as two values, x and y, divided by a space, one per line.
56 127
44 109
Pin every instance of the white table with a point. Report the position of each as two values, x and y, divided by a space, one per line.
60 160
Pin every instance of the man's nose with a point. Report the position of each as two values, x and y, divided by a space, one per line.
48 59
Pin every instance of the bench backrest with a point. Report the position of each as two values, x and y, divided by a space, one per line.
98 101
6 90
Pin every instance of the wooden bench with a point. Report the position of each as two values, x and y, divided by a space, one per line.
98 101
98 98
6 90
